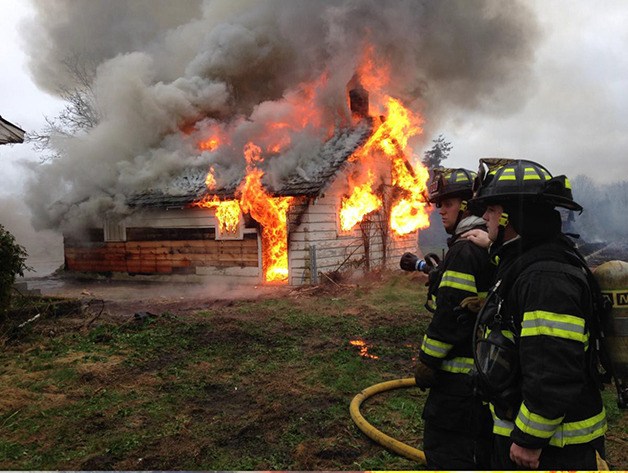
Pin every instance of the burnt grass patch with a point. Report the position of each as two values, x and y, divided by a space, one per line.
243 385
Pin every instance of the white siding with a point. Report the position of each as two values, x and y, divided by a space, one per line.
336 250
175 218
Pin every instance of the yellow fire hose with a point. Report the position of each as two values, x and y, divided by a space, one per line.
376 435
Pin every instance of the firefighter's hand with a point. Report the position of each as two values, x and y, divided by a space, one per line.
472 304
432 260
478 237
409 262
423 375
525 457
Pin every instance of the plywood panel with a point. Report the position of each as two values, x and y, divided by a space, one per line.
164 257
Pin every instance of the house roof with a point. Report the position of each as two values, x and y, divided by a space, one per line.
310 177
10 133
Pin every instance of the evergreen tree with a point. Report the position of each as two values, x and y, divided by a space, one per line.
12 263
436 154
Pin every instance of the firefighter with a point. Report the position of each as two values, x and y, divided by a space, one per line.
457 432
534 351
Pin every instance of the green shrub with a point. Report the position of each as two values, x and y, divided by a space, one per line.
12 264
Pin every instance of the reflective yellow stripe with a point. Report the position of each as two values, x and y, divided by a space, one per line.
506 333
431 302
461 177
540 322
508 175
457 280
530 174
582 431
569 433
435 348
459 364
482 294
567 184
536 425
501 426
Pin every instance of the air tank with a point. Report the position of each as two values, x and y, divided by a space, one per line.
612 277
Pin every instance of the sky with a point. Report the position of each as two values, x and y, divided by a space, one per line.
566 105
576 120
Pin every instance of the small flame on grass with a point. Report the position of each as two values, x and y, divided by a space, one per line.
361 344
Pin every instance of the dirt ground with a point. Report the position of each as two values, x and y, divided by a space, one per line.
258 407
124 299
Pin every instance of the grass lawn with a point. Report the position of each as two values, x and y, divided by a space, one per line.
235 385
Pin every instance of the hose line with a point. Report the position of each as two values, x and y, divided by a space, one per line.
376 435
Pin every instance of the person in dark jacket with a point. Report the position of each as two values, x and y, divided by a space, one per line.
457 433
534 357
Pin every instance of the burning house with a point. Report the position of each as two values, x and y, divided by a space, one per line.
237 140
356 204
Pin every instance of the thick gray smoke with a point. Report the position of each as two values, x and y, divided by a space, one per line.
603 218
166 72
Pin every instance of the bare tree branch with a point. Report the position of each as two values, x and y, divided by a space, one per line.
80 113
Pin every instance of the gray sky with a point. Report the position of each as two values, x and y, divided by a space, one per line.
574 120
569 109
21 101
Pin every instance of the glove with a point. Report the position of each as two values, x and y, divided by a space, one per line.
472 304
424 375
432 260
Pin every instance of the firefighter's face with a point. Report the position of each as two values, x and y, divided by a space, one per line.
448 210
491 216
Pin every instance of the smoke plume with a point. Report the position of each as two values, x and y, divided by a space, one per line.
164 72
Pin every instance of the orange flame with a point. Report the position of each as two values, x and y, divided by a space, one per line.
209 144
373 75
212 138
228 212
270 212
298 111
408 213
363 349
361 202
273 126
210 179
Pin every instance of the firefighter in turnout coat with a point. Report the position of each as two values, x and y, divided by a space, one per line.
457 433
535 359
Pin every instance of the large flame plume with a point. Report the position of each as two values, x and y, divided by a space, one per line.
303 111
389 142
271 213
